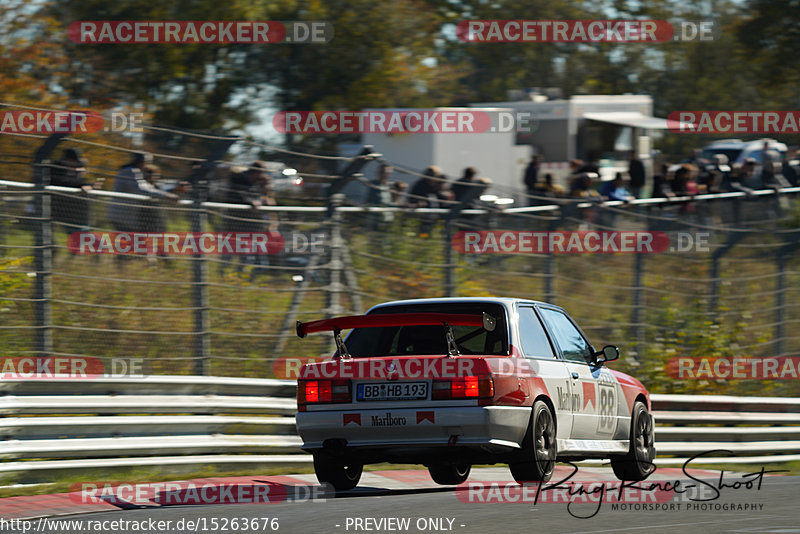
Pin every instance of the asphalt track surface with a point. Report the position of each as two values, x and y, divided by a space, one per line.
443 509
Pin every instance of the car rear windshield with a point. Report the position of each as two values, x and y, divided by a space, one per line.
430 339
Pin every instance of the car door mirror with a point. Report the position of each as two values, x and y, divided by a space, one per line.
608 354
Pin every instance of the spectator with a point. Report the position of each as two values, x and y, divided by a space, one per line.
464 186
549 189
576 167
70 209
615 189
583 186
685 184
718 175
661 187
430 189
428 192
154 219
379 193
124 213
531 177
249 186
637 174
748 181
398 190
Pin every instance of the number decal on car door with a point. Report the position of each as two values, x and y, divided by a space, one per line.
607 409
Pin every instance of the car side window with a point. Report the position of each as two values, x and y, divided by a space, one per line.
573 345
533 338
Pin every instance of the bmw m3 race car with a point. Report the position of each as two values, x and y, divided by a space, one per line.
453 382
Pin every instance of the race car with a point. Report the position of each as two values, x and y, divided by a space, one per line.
453 382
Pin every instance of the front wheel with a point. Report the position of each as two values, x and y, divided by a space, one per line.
449 473
538 459
341 474
638 463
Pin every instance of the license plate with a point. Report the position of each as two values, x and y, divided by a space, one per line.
392 391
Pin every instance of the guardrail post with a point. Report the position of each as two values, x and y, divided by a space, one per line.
43 251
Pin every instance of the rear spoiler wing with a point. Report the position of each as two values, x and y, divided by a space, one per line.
395 319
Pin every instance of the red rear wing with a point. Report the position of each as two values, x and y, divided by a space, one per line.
395 319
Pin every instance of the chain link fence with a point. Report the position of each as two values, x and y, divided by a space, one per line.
725 285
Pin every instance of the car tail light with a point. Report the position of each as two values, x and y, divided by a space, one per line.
463 387
323 391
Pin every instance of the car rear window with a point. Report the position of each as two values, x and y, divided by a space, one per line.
430 339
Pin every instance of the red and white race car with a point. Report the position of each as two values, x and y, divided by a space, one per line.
453 382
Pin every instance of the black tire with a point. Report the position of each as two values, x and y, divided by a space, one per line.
638 463
341 474
538 457
448 473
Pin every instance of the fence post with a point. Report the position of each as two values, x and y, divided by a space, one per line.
199 222
43 251
449 268
550 262
636 318
781 261
792 244
202 323
333 306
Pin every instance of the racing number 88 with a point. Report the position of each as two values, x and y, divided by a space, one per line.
607 405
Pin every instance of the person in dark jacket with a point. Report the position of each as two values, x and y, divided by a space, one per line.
636 172
70 209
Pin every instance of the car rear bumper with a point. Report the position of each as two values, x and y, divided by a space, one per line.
488 428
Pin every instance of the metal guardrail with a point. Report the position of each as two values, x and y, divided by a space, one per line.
62 424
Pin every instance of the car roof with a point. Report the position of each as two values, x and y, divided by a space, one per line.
507 302
739 144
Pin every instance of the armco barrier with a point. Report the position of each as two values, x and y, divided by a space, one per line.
61 424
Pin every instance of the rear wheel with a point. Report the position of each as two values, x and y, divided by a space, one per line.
538 459
638 463
341 474
449 473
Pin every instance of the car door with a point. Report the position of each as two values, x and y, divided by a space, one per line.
542 357
593 404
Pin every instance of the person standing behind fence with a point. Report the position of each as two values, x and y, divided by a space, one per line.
154 219
251 187
531 178
70 209
124 213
